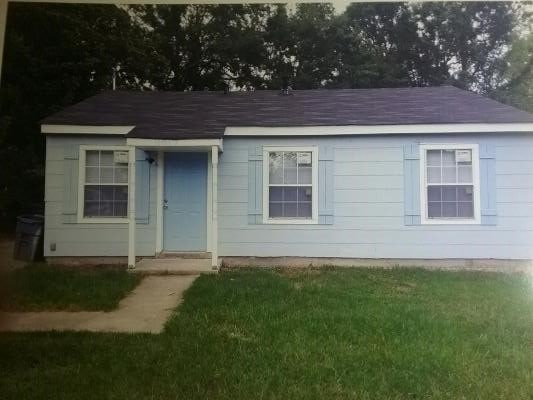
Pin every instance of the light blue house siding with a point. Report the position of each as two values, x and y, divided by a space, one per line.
366 215
74 239
369 213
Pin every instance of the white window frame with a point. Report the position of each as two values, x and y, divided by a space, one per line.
314 185
475 181
81 184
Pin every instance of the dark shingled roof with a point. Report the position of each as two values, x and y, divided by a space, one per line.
184 115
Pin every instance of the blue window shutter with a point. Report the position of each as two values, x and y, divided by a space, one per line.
326 184
142 187
70 183
487 183
255 185
411 183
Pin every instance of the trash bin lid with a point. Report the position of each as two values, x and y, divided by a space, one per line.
31 219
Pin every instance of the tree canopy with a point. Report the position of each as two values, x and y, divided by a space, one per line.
58 54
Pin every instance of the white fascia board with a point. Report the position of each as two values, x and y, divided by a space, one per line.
376 129
175 143
86 129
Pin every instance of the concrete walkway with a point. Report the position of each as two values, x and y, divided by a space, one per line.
146 310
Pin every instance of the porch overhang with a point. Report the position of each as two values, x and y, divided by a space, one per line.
210 146
176 144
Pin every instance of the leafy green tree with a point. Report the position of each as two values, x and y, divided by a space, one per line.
433 43
516 84
207 46
56 55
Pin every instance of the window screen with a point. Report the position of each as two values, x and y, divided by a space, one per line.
106 185
450 186
290 185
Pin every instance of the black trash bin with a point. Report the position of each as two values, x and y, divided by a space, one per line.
29 238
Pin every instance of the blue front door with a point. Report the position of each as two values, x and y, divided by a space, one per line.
185 216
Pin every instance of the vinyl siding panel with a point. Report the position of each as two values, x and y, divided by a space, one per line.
368 204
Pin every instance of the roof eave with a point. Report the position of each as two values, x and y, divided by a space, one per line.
354 130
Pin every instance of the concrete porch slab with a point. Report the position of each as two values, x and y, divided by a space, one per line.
174 266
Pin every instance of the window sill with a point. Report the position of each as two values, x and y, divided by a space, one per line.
85 220
451 222
290 221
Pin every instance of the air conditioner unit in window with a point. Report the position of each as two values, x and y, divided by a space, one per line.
463 156
304 159
121 157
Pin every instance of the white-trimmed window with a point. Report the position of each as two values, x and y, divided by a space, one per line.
104 187
449 190
290 185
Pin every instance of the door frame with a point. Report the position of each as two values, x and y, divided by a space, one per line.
160 193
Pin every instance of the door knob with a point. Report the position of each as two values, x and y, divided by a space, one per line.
165 204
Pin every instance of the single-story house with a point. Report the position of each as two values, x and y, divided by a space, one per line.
433 173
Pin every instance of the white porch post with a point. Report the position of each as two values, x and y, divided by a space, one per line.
214 197
131 209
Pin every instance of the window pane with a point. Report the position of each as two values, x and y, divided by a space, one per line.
434 193
290 193
464 193
107 158
106 209
107 193
304 175
121 175
120 209
434 209
289 159
275 210
433 175
106 175
121 193
290 202
448 158
276 167
449 175
305 193
92 158
449 193
92 193
290 210
92 175
464 174
275 193
466 210
91 208
433 157
289 175
449 209
105 201
305 210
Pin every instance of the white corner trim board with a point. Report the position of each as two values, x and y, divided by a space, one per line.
86 129
375 129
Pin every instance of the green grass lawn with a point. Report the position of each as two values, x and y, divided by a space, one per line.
38 287
328 334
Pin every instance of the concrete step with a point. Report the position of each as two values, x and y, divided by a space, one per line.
186 255
174 266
